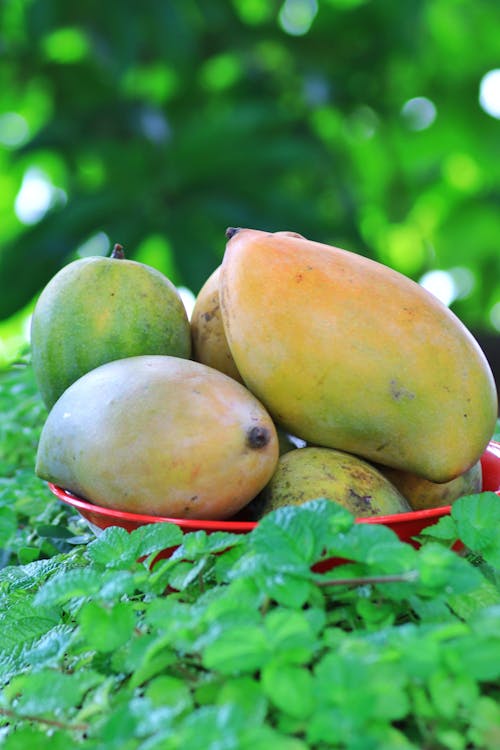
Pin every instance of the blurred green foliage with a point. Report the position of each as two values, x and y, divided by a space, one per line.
157 124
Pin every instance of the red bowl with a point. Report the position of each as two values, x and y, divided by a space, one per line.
406 525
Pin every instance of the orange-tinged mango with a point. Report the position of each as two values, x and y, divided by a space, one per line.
349 354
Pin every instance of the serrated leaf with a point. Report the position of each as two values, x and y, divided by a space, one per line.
50 646
155 537
114 547
18 630
478 523
199 543
298 535
43 651
30 576
466 605
361 541
440 569
69 584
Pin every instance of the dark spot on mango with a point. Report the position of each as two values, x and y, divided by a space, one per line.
231 231
258 437
399 392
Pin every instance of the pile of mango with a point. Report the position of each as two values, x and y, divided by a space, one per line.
304 371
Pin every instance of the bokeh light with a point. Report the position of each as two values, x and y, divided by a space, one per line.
489 92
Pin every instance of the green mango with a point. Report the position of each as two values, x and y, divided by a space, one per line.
95 310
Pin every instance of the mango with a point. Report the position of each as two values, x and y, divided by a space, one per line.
422 494
209 342
98 309
159 435
345 479
347 353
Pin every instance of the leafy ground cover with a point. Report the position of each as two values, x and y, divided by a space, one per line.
236 639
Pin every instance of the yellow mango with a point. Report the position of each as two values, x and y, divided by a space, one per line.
159 435
347 353
423 494
209 342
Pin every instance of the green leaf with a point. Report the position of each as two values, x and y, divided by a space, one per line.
291 638
450 694
68 584
483 596
371 543
145 657
445 529
441 569
30 576
246 693
48 691
8 525
106 628
155 537
287 590
114 547
237 650
35 738
166 690
298 535
480 657
478 522
199 543
289 688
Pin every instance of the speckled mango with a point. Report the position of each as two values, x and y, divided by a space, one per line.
347 353
311 473
159 435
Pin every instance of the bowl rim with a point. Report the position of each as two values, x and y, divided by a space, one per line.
86 507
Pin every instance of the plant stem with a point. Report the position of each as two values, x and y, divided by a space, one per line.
42 720
408 577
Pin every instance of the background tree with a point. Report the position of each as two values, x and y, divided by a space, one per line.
369 125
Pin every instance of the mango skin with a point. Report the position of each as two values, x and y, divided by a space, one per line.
209 342
159 435
347 353
98 309
311 473
422 494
